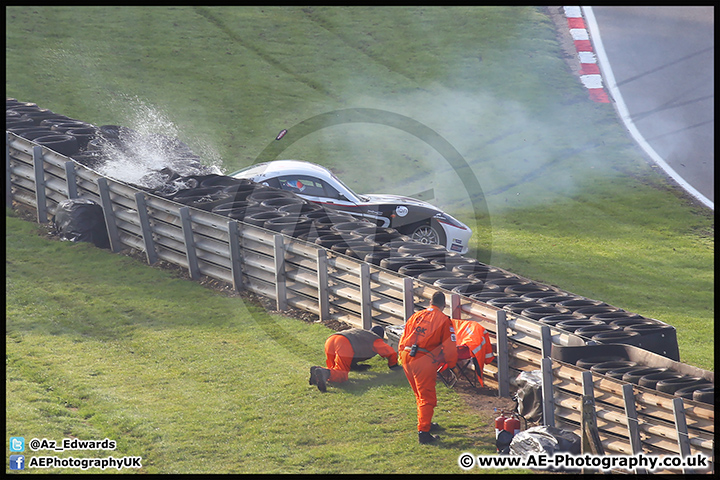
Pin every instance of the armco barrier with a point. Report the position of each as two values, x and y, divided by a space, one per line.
631 419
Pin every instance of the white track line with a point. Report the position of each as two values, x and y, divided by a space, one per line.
625 115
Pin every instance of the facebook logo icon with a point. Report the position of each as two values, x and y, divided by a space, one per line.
17 462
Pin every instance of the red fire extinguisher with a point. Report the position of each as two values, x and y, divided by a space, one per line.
512 425
500 423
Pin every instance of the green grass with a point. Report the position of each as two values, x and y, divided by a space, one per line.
102 346
660 266
566 197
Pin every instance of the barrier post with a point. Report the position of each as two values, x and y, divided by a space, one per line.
8 174
503 356
145 228
546 337
40 198
280 277
682 431
235 256
455 311
109 214
323 293
189 239
365 299
547 392
408 297
591 442
633 425
71 179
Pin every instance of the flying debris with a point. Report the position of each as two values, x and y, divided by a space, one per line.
281 134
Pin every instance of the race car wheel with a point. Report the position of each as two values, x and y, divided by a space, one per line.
427 233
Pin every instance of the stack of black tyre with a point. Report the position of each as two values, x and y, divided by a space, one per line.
663 380
58 132
89 144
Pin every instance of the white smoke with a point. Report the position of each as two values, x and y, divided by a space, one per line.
503 143
151 143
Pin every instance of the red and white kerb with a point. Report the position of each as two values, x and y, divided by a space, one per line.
589 70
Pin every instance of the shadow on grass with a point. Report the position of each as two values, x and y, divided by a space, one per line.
360 383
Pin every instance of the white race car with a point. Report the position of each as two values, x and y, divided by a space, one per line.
420 220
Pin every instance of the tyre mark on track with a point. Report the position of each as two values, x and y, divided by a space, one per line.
666 65
671 104
209 16
327 26
533 174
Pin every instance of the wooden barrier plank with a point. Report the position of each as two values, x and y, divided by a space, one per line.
53 158
610 443
123 196
387 290
267 290
649 402
24 175
384 278
208 249
570 408
613 421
